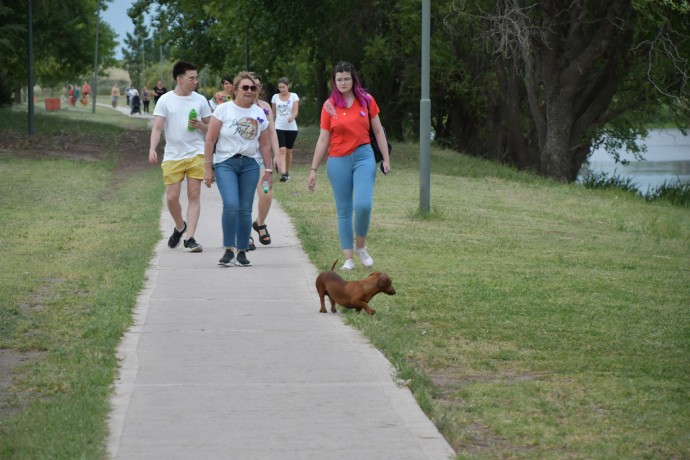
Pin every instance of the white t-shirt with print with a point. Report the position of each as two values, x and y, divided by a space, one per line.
283 112
240 130
181 143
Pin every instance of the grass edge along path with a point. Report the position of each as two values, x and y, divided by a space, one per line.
83 234
533 319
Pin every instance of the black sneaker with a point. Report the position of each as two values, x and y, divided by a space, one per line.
283 178
241 260
192 246
252 246
287 177
174 240
228 258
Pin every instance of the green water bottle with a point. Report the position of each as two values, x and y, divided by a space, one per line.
266 186
192 116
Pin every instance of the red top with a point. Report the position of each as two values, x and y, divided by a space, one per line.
349 127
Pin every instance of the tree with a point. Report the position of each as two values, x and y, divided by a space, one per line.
64 40
533 83
138 50
9 33
569 71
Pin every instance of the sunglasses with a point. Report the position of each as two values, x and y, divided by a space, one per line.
247 88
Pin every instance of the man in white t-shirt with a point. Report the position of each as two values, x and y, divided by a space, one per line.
184 150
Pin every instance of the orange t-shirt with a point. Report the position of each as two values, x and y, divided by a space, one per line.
349 127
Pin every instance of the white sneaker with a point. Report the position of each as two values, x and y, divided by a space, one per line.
364 256
348 265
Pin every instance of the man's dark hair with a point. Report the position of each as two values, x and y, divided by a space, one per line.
181 67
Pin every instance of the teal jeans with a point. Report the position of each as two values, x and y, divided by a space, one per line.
352 180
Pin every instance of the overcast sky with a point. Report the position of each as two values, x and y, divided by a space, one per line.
116 16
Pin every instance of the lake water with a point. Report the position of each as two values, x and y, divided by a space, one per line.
667 160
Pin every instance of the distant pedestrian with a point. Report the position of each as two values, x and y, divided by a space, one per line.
134 101
184 150
128 93
224 95
114 95
158 91
145 98
86 91
286 108
351 168
238 134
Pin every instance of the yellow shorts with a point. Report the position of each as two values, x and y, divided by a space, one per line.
175 170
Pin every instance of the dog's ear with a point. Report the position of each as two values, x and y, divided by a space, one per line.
384 280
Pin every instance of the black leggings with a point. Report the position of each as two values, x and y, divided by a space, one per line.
286 138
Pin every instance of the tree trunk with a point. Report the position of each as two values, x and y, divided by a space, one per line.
555 151
321 85
17 92
571 66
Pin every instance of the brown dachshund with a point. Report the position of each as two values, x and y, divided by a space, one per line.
351 294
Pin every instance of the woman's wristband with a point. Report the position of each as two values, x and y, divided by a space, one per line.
208 161
268 170
314 169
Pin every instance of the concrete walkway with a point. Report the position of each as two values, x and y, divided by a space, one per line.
238 363
125 110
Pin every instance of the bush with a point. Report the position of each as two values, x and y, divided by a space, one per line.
615 182
674 192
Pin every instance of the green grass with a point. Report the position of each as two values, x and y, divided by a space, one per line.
81 237
534 319
68 118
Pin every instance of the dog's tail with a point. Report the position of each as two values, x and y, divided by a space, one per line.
334 263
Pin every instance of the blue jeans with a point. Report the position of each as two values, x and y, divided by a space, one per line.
236 179
352 179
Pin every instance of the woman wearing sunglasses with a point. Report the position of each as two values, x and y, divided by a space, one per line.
239 132
351 167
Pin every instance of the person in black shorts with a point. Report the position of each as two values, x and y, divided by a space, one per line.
286 108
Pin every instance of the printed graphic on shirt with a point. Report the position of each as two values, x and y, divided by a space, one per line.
247 128
284 110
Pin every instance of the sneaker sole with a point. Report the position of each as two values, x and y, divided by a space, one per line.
196 249
238 264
